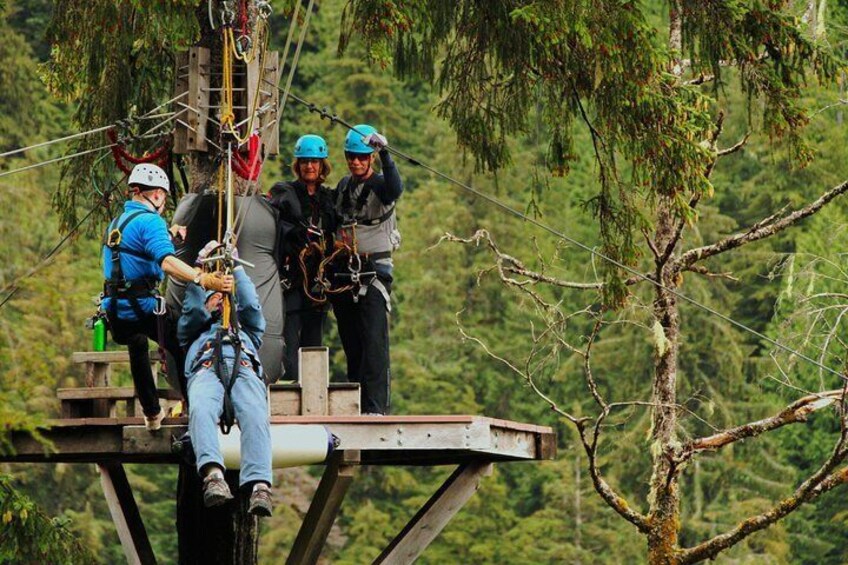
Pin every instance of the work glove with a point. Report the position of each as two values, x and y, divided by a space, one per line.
217 282
206 251
376 141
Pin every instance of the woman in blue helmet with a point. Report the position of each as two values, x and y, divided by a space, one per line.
306 224
365 204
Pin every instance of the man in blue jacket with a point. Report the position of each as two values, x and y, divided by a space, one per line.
137 251
212 352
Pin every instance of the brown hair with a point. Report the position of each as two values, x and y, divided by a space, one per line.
325 171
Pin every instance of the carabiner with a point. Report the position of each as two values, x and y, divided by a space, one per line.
160 308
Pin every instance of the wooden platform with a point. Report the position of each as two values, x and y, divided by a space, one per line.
381 440
91 431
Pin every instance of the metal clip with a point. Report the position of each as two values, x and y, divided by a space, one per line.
243 44
263 7
160 308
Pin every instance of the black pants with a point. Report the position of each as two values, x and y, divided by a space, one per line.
303 328
364 331
134 334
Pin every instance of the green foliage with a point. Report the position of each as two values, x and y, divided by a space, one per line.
29 536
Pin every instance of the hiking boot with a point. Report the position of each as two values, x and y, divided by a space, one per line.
216 491
153 423
260 500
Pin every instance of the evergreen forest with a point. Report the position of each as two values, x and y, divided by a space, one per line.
601 120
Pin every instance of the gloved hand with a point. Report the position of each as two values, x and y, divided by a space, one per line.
206 251
376 141
217 282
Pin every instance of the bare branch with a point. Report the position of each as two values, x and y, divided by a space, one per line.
613 499
701 79
735 147
820 482
796 412
761 230
701 270
508 263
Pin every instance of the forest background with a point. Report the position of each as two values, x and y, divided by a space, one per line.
525 513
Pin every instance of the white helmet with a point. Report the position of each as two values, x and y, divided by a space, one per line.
150 176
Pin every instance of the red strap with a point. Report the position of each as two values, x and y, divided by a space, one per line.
249 169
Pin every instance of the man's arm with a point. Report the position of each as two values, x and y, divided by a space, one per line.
194 316
392 187
250 315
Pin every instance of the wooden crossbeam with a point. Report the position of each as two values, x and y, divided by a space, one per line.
324 508
125 514
111 393
428 522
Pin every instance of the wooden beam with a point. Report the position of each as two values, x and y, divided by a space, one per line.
435 514
110 392
125 514
198 98
314 381
324 508
121 356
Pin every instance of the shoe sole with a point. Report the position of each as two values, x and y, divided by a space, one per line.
260 510
216 500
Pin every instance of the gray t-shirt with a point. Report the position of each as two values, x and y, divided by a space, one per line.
257 236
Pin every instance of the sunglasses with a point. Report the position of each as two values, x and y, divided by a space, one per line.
357 156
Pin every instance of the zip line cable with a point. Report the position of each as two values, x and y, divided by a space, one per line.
324 113
89 132
13 287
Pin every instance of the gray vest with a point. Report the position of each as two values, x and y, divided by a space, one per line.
376 223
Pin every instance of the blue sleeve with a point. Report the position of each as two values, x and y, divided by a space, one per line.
156 239
251 320
194 317
392 187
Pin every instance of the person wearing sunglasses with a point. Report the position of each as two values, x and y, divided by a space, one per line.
365 204
306 223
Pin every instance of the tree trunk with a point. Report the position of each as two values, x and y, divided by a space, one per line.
664 500
225 535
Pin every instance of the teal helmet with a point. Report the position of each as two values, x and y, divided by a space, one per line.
353 140
310 147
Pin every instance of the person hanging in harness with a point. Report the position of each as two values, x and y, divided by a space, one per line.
218 342
137 251
307 220
365 203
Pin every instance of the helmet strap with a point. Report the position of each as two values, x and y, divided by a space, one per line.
141 193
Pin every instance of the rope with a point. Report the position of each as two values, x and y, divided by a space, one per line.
296 54
324 114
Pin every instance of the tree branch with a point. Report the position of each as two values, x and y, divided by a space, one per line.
796 412
820 482
613 499
760 230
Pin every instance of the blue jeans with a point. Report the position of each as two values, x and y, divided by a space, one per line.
206 402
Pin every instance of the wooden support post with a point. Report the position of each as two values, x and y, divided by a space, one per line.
324 508
435 514
99 375
125 514
314 381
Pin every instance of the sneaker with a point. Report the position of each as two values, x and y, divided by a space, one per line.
260 500
216 491
153 423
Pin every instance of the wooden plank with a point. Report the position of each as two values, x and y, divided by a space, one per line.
119 356
284 402
111 392
324 508
198 98
125 514
345 401
428 522
314 380
181 73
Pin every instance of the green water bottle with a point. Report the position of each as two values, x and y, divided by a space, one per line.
99 335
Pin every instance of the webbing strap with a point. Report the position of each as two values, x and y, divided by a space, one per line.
117 280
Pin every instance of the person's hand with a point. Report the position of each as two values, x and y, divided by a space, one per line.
206 251
376 141
217 282
178 233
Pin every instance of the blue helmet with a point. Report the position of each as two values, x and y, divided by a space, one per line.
353 140
310 147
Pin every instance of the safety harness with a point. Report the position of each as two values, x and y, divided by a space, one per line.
117 287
